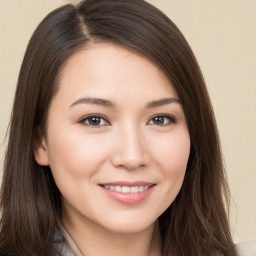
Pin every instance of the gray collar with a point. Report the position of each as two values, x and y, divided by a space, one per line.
65 244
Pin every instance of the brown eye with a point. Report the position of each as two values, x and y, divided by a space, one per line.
159 120
94 121
162 120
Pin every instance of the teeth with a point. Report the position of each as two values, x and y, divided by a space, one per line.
127 189
141 188
134 189
118 188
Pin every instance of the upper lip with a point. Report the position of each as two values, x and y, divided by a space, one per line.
128 183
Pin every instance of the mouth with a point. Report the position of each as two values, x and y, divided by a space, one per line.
126 189
128 193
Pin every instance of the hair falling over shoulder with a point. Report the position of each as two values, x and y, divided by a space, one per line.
196 223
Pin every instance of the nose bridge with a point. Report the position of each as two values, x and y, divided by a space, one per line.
129 147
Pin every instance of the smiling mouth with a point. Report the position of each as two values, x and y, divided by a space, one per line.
127 189
128 192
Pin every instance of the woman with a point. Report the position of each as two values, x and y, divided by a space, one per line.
113 146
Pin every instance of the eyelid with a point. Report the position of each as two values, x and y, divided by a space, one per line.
173 120
83 119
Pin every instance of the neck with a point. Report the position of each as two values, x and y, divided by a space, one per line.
92 239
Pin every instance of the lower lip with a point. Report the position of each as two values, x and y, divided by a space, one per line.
128 198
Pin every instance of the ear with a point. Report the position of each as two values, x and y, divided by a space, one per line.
41 152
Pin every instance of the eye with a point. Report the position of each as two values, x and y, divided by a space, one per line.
94 120
162 120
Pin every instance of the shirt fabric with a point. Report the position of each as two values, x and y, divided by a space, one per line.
67 247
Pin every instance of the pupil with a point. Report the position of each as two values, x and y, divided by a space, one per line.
94 120
159 120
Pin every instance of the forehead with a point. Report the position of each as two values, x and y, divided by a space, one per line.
111 71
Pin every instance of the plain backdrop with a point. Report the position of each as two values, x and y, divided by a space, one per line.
222 34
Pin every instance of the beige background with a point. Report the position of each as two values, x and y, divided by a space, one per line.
222 34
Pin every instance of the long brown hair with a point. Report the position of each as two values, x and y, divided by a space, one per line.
196 223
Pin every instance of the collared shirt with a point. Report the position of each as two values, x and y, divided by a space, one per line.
67 246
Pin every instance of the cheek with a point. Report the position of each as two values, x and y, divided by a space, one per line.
172 152
172 157
74 159
75 154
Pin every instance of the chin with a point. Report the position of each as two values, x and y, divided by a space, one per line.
129 226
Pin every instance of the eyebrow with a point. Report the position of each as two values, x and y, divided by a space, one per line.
162 102
109 104
94 101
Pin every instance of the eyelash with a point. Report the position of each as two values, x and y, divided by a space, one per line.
170 120
87 118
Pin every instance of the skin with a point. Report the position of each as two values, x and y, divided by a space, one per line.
127 144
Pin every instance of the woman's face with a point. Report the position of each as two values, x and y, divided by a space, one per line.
117 140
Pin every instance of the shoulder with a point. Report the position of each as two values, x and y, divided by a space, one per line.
247 248
61 244
64 243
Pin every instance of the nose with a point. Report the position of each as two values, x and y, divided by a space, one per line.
130 150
